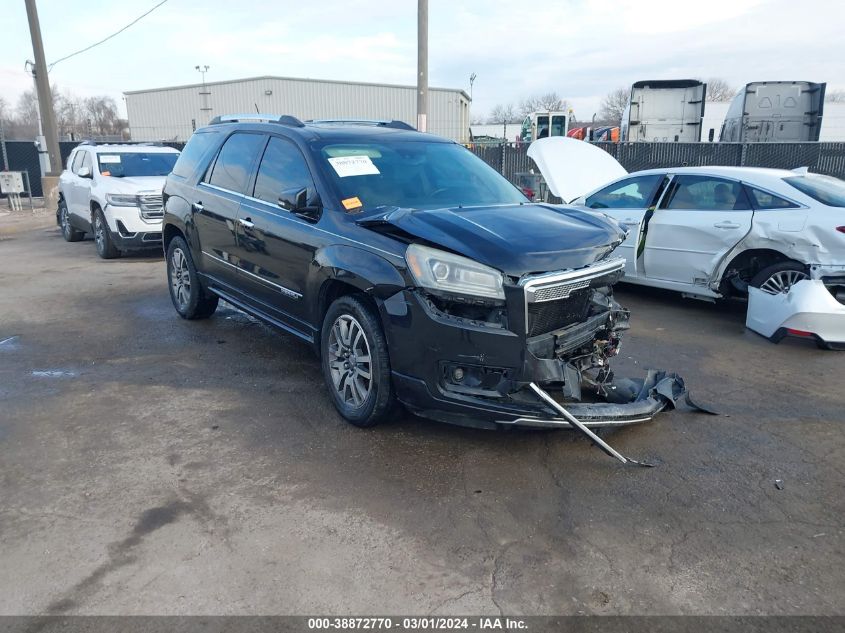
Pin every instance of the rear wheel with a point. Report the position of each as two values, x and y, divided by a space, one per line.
187 294
68 232
779 278
102 237
356 366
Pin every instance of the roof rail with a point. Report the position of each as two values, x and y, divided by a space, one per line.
399 125
284 119
143 143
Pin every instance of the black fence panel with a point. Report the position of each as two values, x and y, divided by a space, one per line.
822 158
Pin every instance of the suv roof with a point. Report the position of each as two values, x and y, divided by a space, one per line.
127 147
328 129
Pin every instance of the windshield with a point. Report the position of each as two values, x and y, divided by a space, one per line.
119 165
417 175
825 189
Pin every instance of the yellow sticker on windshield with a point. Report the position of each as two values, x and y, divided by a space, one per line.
351 203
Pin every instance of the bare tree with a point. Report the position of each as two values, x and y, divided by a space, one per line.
548 102
720 90
835 96
613 105
102 116
5 111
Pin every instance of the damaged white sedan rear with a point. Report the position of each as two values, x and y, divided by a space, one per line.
713 232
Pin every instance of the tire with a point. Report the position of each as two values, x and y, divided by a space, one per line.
780 277
102 237
352 330
189 298
68 232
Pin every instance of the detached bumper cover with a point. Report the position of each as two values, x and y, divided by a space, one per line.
808 309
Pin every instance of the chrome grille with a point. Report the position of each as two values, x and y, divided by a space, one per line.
559 291
151 206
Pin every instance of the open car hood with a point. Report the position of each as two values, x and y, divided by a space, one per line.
515 239
573 168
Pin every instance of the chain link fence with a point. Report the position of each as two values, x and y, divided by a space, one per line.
823 158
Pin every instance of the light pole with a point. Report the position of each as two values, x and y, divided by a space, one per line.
205 109
422 65
471 81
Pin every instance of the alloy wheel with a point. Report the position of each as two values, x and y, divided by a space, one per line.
180 278
350 361
782 281
100 234
65 222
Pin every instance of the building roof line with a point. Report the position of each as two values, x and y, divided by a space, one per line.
304 79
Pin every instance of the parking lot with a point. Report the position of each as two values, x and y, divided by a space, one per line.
154 465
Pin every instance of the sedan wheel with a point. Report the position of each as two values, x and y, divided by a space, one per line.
350 361
782 281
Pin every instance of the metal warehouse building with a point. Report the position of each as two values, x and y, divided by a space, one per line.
172 113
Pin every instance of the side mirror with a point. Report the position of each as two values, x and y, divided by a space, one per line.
296 201
84 172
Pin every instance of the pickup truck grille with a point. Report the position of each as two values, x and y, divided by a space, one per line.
151 207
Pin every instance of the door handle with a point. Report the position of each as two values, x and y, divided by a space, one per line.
629 222
247 223
726 225
198 206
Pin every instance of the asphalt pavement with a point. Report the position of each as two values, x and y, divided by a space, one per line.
151 465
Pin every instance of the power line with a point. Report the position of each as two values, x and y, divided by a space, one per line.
135 21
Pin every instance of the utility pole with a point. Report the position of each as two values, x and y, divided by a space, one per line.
422 65
205 109
45 97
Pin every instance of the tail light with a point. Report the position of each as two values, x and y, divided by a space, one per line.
841 229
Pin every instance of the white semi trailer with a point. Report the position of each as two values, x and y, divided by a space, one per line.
664 111
775 111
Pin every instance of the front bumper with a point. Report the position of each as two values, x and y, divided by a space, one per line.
499 365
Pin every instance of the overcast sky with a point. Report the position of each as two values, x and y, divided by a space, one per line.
579 48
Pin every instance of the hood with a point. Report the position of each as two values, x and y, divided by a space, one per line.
571 167
515 239
136 184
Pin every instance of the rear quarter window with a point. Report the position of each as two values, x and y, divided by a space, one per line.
197 147
825 189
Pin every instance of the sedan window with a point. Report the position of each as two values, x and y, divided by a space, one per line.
825 189
631 193
706 193
765 200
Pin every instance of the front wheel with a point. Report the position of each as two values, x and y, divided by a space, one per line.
779 278
356 366
68 232
102 237
187 294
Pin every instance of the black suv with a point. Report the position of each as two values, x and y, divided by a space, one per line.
418 273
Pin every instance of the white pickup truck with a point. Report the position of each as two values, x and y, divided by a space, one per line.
113 191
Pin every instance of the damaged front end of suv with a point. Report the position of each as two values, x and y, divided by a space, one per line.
484 340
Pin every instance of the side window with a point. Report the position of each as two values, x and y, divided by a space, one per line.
766 200
232 168
706 193
77 160
197 147
87 162
282 169
631 193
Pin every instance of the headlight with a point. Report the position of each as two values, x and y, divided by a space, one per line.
439 270
122 201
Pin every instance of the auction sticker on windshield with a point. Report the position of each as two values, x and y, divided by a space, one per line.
353 166
109 158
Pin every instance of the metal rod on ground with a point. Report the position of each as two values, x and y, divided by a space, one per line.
607 448
422 65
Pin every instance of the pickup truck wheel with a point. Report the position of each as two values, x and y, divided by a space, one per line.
187 294
355 362
68 232
102 238
779 278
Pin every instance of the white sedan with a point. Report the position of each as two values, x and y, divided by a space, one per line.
711 232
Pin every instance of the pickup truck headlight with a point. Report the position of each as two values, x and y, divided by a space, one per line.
119 200
438 270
